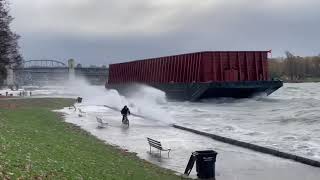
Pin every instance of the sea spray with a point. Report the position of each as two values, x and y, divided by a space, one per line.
94 95
148 102
144 101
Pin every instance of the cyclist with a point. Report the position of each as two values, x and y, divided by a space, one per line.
125 112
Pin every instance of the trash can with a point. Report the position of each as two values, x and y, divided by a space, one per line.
205 161
79 100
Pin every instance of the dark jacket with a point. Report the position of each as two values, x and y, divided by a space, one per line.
125 111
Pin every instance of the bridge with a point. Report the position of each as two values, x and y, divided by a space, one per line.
50 72
42 64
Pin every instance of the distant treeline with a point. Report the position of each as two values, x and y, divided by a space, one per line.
295 68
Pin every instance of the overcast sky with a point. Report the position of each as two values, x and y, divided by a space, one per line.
108 31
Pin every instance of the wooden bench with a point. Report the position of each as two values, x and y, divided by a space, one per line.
101 124
157 145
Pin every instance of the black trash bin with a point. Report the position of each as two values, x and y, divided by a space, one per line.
206 164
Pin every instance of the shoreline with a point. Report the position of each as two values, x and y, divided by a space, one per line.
61 150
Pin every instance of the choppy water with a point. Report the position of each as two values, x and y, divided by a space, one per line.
288 120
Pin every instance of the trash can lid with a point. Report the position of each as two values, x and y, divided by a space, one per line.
205 152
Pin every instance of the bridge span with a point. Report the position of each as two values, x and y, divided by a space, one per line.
45 72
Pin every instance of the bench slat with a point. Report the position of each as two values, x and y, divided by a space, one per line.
155 142
152 140
156 145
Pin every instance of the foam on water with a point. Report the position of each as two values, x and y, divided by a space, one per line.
288 120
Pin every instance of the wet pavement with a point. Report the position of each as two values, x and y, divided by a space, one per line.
233 163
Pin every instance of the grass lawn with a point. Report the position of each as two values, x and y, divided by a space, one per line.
36 144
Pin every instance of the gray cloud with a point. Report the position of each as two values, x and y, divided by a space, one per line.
101 32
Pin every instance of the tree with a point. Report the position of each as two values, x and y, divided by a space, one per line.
9 48
79 66
290 61
276 69
295 68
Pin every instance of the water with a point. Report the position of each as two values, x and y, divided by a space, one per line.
288 120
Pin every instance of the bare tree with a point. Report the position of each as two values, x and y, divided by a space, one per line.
9 48
290 60
295 68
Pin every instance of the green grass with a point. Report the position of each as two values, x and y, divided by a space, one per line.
36 144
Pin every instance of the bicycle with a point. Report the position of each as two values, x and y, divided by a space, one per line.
125 120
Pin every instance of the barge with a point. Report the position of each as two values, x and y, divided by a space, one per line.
200 75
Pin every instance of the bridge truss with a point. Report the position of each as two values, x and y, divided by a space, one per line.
43 64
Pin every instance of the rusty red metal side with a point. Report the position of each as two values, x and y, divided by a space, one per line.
211 66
